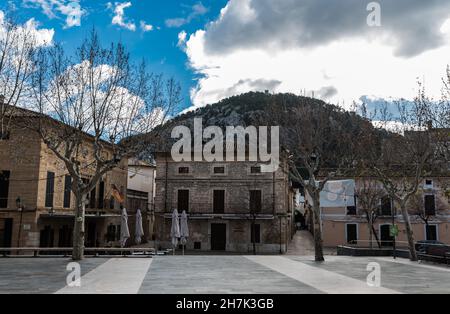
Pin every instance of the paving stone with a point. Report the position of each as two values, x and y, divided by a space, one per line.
217 274
397 275
38 275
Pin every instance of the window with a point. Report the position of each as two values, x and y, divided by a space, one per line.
351 210
50 189
4 188
219 202
111 233
93 199
101 195
255 201
183 170
430 205
67 191
137 200
352 233
429 184
256 233
112 203
4 135
219 170
431 231
183 200
386 206
197 245
255 169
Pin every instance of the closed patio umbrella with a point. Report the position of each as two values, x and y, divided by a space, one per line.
184 229
124 231
175 230
139 232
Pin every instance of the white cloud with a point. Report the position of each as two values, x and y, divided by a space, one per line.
119 18
182 40
146 27
15 44
123 113
233 55
71 9
197 10
42 36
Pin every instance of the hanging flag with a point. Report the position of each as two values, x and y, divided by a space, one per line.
116 194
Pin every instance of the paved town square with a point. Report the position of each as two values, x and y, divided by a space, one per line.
222 275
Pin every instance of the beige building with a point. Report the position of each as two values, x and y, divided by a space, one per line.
232 206
429 213
36 204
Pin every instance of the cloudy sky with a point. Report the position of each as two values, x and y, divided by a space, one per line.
219 48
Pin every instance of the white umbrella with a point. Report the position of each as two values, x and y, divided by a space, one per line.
175 230
124 231
139 232
184 229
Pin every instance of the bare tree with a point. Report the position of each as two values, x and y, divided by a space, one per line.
99 103
317 141
369 193
18 44
405 159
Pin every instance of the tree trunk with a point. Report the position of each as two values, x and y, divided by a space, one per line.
409 234
78 230
376 236
318 242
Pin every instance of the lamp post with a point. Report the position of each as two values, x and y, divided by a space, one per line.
394 253
19 209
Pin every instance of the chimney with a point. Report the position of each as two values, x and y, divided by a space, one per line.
430 125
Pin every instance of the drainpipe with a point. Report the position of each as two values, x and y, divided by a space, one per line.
166 184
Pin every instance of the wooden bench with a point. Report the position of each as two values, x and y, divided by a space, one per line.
66 252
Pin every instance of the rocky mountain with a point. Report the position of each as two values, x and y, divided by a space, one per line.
253 109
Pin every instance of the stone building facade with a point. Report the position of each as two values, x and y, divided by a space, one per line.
232 206
36 204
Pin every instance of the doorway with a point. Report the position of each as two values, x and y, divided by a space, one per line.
47 237
352 234
6 226
91 240
65 237
432 234
386 239
218 237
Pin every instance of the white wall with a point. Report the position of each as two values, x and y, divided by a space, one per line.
142 178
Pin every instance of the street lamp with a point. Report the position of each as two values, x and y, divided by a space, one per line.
19 209
393 212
